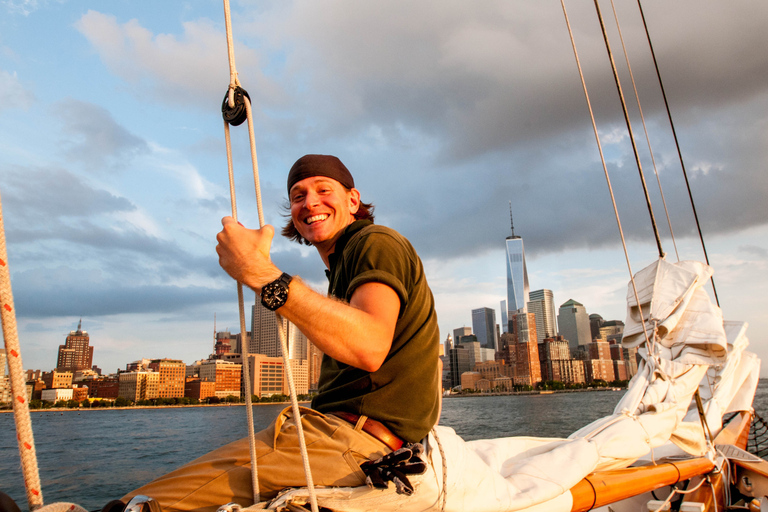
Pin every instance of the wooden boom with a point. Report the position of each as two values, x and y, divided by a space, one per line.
605 487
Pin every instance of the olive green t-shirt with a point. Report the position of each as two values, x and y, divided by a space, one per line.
403 393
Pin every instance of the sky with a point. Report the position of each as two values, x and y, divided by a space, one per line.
450 114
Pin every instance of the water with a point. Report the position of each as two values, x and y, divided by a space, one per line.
90 457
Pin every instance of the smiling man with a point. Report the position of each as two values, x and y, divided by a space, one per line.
377 328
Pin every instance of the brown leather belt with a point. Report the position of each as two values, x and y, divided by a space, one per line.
374 428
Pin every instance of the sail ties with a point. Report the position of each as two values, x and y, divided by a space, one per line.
236 109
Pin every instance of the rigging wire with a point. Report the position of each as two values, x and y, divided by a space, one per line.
232 96
677 145
629 129
605 168
645 128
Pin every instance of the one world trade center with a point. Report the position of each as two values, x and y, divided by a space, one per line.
517 275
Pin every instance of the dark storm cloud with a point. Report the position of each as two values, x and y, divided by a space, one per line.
36 194
67 293
486 102
94 138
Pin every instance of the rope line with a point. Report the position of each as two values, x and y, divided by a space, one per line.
21 415
605 168
677 145
629 128
278 319
244 341
645 128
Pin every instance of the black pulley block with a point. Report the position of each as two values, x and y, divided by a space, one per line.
237 114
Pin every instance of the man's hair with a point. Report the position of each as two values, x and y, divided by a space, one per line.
364 212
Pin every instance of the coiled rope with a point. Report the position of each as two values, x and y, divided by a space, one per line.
21 414
232 110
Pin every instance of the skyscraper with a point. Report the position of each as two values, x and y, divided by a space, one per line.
76 353
542 304
517 273
504 317
484 327
265 338
574 324
460 333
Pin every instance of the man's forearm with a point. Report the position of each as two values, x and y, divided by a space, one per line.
343 331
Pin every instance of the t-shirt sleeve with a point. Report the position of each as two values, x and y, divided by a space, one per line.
381 258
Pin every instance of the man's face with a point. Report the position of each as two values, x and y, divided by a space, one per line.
321 208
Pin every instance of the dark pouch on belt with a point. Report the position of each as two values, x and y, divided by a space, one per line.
394 467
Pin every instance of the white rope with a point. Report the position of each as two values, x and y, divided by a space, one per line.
244 339
21 414
283 338
605 170
645 128
444 490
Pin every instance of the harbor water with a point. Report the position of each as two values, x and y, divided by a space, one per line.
92 456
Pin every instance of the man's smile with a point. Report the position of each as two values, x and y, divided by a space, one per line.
316 218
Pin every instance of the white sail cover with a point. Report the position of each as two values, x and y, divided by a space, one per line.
691 348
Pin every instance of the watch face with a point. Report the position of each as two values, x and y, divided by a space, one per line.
274 295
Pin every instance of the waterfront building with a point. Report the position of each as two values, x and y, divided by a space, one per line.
612 331
492 370
56 379
507 351
79 392
103 387
138 365
268 376
138 385
223 343
265 336
517 274
598 369
574 324
469 380
599 350
226 374
76 353
195 387
459 357
542 304
595 323
314 359
57 395
568 371
620 370
460 333
484 327
631 358
552 350
81 375
527 367
504 317
172 373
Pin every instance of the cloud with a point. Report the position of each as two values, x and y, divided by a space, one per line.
23 7
36 195
188 69
448 121
13 94
66 291
93 137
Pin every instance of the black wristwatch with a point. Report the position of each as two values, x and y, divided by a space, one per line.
274 294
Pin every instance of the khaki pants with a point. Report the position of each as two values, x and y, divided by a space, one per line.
336 448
